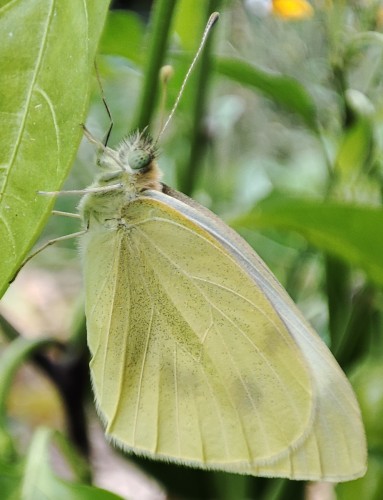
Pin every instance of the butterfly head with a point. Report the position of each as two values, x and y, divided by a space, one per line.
132 163
137 152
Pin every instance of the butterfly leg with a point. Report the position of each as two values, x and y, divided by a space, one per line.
46 245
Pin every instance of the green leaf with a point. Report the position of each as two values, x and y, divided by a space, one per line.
39 481
283 90
350 232
46 58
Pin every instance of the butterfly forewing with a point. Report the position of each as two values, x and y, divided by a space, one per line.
190 360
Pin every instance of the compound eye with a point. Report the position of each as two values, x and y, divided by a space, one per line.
139 159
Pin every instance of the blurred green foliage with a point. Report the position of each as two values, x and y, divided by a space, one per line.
278 131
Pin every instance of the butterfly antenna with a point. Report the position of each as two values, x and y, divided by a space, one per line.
107 135
212 20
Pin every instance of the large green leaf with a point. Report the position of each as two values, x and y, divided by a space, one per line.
284 90
351 232
46 55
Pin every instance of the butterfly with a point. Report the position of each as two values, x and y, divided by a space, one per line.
199 356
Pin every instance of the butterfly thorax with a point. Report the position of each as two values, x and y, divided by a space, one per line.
128 171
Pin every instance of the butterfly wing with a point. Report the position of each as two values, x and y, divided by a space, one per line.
336 448
199 356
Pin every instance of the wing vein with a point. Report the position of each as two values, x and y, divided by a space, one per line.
178 437
191 278
146 349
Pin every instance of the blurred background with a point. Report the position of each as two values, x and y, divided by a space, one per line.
279 132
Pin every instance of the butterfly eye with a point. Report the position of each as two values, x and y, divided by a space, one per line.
139 159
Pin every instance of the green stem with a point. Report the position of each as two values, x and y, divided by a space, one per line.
198 140
338 295
159 33
361 333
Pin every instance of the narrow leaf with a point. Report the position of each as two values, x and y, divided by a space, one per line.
39 480
282 89
350 232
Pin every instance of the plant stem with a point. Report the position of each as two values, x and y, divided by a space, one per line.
159 33
198 140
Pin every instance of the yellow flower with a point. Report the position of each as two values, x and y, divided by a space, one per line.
292 9
285 9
